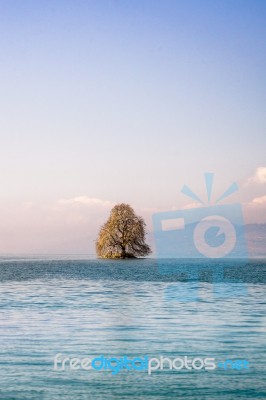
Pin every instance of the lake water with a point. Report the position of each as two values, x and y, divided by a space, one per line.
88 308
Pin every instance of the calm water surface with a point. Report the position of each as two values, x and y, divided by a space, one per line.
126 308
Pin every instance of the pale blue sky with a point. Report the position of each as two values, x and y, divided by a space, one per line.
128 100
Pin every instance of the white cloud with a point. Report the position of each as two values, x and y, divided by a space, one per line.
61 226
259 200
191 205
259 177
85 200
261 174
255 210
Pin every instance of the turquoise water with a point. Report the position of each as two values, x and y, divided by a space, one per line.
126 308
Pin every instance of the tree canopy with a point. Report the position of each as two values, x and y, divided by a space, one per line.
123 235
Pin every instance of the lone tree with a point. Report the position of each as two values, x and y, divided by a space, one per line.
123 235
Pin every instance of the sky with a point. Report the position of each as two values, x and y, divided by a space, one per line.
113 101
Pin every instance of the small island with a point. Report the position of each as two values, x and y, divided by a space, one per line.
123 235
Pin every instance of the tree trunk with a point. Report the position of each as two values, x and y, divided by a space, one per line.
123 253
